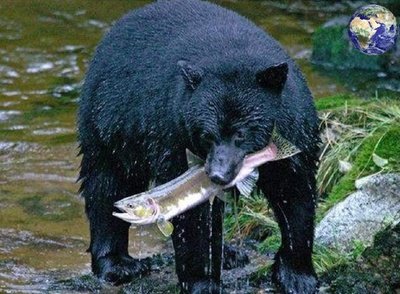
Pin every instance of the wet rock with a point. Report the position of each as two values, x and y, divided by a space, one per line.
17 278
11 239
163 279
7 114
18 147
8 72
52 131
84 283
361 215
66 91
234 257
71 49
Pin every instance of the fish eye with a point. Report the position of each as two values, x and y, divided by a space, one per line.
130 205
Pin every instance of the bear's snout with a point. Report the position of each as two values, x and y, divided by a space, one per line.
223 163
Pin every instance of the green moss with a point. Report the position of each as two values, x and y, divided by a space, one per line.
338 101
331 47
384 143
376 270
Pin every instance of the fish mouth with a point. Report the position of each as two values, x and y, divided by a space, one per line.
120 206
127 216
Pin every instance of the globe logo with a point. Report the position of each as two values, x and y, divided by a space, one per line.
373 29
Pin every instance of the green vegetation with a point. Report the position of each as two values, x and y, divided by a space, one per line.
251 218
361 137
337 102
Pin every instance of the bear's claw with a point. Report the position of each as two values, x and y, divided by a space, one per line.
290 281
121 268
201 287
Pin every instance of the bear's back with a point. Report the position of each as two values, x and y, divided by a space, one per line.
176 29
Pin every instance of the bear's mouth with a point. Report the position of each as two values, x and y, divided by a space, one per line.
223 169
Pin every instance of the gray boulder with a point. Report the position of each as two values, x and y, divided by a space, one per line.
362 214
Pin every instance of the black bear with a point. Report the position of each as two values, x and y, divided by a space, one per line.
189 74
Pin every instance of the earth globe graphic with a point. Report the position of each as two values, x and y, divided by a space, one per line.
373 29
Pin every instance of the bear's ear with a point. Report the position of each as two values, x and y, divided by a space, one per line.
274 77
191 74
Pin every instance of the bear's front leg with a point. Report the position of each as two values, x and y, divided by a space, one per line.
102 185
197 241
289 186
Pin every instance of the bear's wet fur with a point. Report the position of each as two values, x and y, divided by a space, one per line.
189 74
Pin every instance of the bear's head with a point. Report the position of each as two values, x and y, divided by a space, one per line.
230 112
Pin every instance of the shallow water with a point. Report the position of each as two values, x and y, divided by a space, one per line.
44 50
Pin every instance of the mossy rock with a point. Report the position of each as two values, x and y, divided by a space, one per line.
332 48
84 283
376 271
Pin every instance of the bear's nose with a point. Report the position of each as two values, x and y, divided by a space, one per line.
218 178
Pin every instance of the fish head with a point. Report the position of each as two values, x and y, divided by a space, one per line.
137 211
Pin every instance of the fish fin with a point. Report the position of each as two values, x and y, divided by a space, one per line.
222 196
193 159
284 147
211 199
247 185
166 227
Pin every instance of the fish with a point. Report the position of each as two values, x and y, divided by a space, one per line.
162 203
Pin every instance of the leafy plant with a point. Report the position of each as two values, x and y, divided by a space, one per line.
365 138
